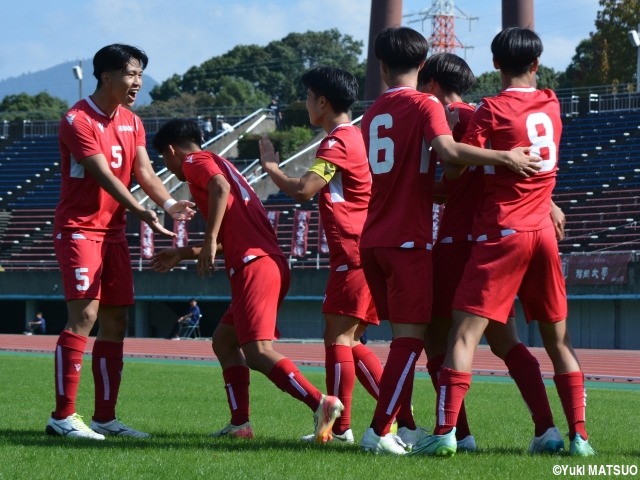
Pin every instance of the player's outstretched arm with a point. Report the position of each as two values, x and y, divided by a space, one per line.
518 160
164 260
153 186
300 189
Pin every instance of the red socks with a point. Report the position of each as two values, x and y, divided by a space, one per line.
368 369
525 371
573 397
452 387
288 378
68 363
396 382
341 378
236 383
107 373
462 425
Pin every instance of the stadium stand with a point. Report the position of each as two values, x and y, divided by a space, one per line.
598 188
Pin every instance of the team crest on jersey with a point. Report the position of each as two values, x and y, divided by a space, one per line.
70 118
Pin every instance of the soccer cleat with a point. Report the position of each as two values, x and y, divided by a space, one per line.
329 409
410 437
580 447
346 437
72 427
467 444
437 445
549 442
237 431
389 444
117 429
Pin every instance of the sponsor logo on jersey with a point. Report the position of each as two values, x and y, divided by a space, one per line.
189 159
125 128
70 118
101 127
331 142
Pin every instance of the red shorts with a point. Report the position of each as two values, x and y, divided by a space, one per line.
449 260
400 283
348 294
526 264
257 290
95 270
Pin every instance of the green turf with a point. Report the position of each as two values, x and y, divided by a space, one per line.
180 403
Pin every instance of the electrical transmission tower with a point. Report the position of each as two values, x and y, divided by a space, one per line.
443 36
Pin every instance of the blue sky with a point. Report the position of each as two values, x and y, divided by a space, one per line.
177 35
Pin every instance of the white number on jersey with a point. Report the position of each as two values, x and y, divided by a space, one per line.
540 131
116 153
376 144
385 144
83 286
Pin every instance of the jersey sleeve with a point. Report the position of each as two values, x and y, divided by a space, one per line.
200 170
480 127
437 123
323 168
76 133
334 150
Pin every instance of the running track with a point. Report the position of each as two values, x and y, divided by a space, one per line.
598 365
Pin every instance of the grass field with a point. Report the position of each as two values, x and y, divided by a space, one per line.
179 403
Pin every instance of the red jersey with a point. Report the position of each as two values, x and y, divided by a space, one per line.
464 194
517 117
85 208
245 232
398 130
344 200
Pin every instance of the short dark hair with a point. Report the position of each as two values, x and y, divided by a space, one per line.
401 48
338 86
451 72
515 49
116 57
177 131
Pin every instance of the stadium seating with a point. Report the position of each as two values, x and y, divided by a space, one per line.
598 188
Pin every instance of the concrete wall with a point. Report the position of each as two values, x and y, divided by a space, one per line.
605 319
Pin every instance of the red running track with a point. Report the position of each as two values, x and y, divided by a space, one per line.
598 365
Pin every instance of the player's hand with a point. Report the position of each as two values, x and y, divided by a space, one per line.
269 158
164 260
559 220
150 218
523 163
182 210
206 258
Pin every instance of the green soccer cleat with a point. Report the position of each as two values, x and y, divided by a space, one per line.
437 445
580 447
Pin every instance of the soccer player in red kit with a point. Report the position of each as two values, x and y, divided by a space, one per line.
341 174
257 270
448 77
516 251
102 143
396 241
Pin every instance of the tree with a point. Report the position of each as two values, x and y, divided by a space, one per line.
248 75
607 56
32 107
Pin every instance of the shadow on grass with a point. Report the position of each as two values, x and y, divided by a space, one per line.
163 440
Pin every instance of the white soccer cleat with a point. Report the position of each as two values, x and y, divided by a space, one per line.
411 437
72 427
389 444
549 442
329 409
467 444
346 437
237 431
117 428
